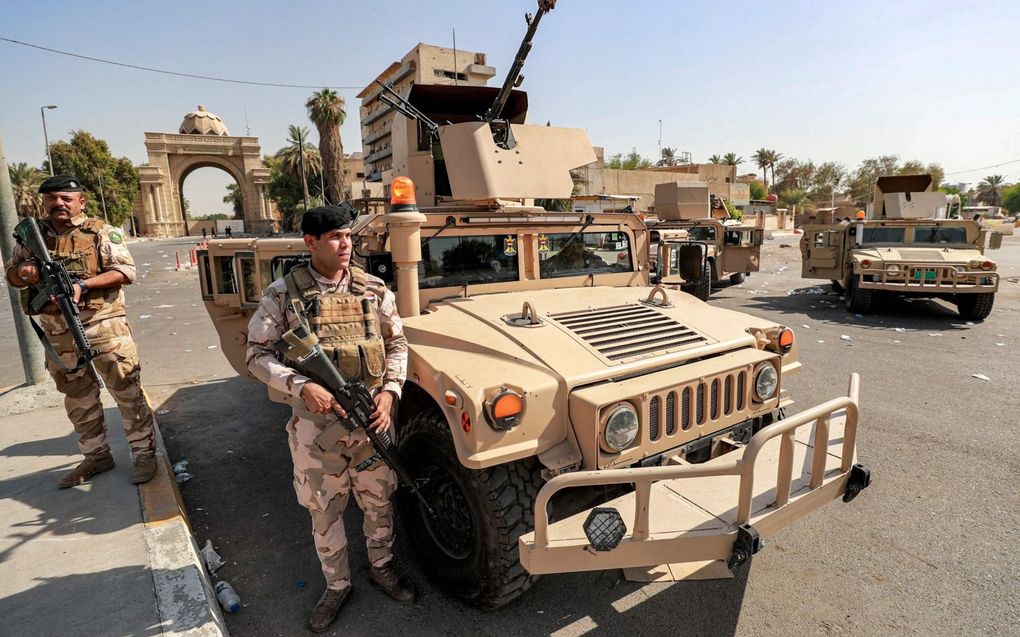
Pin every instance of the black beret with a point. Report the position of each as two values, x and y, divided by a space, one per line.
61 183
325 218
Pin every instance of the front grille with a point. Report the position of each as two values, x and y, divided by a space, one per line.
702 403
627 332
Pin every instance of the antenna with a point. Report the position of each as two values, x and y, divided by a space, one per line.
660 140
246 127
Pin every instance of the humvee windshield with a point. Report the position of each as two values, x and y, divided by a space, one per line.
702 233
883 235
453 261
940 234
569 254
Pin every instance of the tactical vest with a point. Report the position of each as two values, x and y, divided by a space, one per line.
346 324
77 250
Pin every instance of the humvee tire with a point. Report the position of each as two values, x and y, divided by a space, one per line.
737 279
471 547
837 286
856 299
703 286
975 307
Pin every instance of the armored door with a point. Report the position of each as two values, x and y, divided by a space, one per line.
821 250
741 249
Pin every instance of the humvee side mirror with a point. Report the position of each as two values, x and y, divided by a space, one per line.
995 241
380 264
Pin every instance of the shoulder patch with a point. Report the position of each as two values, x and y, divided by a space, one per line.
115 237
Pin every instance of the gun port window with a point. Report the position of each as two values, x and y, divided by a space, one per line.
702 234
225 281
940 234
882 235
455 261
266 271
571 254
250 292
205 275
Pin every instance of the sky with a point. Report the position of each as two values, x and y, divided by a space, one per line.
928 80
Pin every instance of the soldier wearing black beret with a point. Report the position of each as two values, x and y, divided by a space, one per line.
95 256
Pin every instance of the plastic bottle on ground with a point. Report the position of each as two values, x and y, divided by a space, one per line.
227 597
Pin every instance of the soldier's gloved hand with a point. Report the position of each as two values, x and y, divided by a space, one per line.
318 400
383 407
28 272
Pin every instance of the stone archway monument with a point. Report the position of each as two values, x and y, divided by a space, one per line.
203 141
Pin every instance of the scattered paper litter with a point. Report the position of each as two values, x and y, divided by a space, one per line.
1001 344
807 291
213 561
180 466
844 337
160 307
145 316
162 412
897 341
980 377
183 477
901 330
821 341
807 327
211 347
934 334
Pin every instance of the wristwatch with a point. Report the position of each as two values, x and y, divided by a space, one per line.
84 287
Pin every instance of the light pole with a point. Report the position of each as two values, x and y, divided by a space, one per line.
304 178
42 111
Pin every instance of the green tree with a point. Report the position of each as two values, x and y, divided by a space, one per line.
989 190
1011 198
88 158
186 207
563 205
792 197
233 197
286 190
25 180
290 157
667 157
326 110
862 181
774 159
733 211
631 161
715 159
758 190
827 179
761 158
731 159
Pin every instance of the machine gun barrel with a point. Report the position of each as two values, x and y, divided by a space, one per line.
301 347
406 108
513 76
56 286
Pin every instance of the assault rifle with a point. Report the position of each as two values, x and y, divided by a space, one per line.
55 285
301 347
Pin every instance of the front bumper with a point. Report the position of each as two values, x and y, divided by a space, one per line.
695 513
929 279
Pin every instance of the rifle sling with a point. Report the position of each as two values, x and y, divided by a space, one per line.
52 353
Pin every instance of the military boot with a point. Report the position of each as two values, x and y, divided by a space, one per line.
394 584
327 607
144 467
89 467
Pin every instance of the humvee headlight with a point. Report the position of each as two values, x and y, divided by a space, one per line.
987 265
974 265
766 381
504 409
620 426
892 268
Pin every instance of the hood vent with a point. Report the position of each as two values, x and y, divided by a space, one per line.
628 332
923 255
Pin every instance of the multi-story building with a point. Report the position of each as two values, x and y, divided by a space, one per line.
424 64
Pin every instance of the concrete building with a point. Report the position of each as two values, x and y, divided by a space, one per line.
424 64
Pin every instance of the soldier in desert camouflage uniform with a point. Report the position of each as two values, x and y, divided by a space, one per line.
94 253
355 318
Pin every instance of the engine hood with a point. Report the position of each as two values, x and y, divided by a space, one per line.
927 254
583 335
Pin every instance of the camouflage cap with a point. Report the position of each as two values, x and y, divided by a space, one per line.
61 183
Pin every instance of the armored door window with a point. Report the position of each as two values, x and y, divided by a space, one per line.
821 239
571 254
225 281
250 292
732 237
882 235
456 261
266 270
205 275
702 233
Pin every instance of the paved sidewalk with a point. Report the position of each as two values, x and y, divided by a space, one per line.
104 558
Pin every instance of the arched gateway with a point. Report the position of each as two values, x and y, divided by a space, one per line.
203 142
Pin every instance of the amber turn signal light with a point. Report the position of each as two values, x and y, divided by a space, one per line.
402 192
504 409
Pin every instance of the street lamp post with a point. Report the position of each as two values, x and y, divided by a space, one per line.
42 111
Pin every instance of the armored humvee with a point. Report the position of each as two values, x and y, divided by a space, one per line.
541 361
906 246
694 250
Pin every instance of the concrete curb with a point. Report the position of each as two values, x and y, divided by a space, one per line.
184 593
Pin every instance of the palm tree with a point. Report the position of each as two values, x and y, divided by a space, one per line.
290 157
668 157
988 189
25 180
761 157
793 197
326 110
774 158
715 159
731 159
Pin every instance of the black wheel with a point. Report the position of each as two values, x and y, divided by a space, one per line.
975 307
703 286
837 286
737 279
856 299
470 547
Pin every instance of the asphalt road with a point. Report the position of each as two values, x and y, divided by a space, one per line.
930 548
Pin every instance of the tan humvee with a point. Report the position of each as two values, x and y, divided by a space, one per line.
904 246
694 250
541 362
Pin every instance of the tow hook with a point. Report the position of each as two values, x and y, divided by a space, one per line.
747 544
860 478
